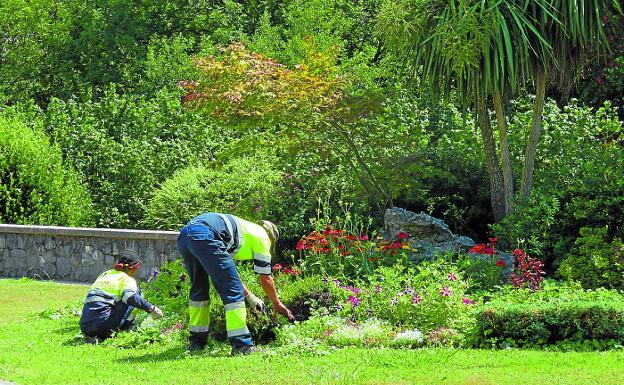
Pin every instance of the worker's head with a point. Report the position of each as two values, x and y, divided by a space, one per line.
128 265
273 233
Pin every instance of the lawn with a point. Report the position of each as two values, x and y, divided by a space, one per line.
45 351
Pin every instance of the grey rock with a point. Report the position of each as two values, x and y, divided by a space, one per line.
50 243
18 254
63 268
2 241
428 235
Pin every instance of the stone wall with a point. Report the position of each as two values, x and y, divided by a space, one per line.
79 254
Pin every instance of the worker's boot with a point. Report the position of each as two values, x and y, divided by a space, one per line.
242 350
197 341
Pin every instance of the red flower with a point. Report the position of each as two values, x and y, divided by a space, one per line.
373 260
493 240
363 237
478 248
518 253
488 251
402 235
345 252
277 267
500 263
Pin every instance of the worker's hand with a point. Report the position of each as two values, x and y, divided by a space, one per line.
156 313
255 304
283 310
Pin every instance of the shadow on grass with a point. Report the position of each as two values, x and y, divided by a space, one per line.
173 353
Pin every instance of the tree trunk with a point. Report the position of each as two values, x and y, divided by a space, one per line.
536 130
505 157
497 193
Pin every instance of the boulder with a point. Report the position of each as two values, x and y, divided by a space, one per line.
428 235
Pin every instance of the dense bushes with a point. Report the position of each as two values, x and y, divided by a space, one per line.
563 315
247 187
36 186
579 181
124 146
595 261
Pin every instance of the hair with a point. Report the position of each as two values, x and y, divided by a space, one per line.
125 263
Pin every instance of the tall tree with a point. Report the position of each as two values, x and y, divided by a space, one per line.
479 48
485 49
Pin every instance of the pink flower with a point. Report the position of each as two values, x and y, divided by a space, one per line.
402 235
378 289
393 301
416 299
363 237
467 301
355 301
445 291
500 263
452 277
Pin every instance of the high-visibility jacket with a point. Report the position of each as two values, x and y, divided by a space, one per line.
111 289
245 240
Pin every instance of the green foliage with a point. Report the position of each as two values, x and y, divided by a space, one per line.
595 261
428 297
561 314
247 186
36 186
578 181
124 146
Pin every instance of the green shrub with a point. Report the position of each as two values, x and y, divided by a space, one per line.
561 314
428 297
594 261
248 187
36 187
125 145
535 325
579 177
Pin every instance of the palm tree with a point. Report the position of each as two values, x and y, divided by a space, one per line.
485 49
479 48
575 31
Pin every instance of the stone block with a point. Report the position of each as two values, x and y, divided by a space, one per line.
50 243
63 267
21 241
18 254
2 241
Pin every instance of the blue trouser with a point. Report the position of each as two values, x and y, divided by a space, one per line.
113 319
203 247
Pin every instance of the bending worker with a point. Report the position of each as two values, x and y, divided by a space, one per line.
209 244
111 300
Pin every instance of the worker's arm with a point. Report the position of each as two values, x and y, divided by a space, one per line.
268 285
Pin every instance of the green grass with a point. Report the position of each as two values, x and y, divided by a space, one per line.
21 297
45 351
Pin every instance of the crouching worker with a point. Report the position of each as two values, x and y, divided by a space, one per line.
112 302
209 244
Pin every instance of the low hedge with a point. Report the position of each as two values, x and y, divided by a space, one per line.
577 324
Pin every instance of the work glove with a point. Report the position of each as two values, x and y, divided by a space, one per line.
255 304
156 313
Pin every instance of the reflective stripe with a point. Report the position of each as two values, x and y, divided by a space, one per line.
262 270
230 230
199 303
102 293
127 294
239 235
99 298
235 318
199 316
237 332
262 257
234 305
199 329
